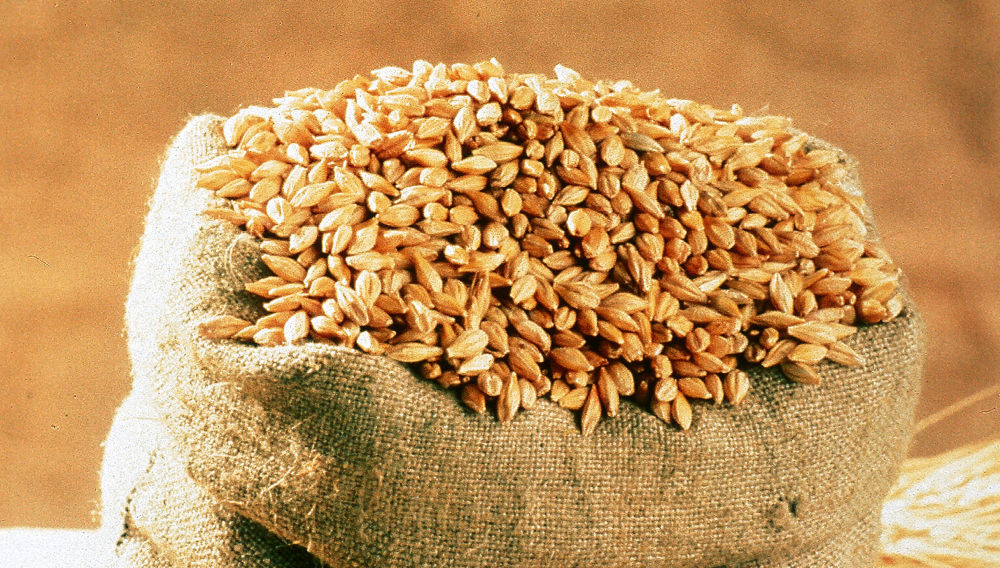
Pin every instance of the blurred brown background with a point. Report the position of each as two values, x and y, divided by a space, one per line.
91 93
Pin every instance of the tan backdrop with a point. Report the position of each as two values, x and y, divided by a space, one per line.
91 92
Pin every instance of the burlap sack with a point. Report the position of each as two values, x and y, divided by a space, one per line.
361 463
159 518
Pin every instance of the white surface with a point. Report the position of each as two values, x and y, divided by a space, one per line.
50 548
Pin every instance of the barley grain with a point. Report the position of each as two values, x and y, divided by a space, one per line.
521 237
840 352
680 411
474 398
222 327
591 413
800 373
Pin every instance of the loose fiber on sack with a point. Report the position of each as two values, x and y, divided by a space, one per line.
361 463
165 519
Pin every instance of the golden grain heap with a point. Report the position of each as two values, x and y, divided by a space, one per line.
517 236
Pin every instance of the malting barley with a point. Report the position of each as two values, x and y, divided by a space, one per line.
518 236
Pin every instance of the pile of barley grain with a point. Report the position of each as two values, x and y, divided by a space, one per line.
517 236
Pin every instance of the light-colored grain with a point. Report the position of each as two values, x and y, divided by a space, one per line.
297 327
680 411
474 398
490 384
713 382
413 352
528 394
591 413
666 388
808 353
608 393
509 400
800 373
522 237
469 344
575 398
779 352
476 365
736 385
840 352
284 267
662 409
571 359
222 327
693 388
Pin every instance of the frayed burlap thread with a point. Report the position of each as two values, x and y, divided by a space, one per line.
165 519
359 462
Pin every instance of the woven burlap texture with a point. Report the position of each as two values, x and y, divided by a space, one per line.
359 462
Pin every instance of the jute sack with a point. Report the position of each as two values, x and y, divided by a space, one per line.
360 463
158 517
